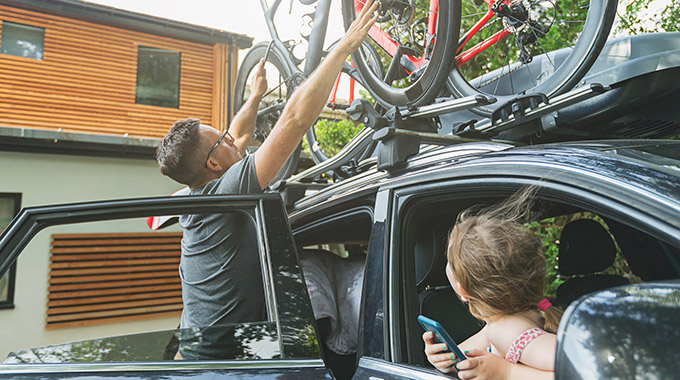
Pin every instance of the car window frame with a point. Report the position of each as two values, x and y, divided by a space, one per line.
281 270
557 189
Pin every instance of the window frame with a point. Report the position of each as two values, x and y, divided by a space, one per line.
11 273
282 277
461 190
138 99
18 24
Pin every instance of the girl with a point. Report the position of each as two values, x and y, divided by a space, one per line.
498 268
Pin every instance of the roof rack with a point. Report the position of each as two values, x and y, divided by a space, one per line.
399 133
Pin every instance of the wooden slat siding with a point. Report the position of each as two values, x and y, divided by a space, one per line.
86 81
106 278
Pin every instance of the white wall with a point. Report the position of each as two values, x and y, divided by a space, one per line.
49 179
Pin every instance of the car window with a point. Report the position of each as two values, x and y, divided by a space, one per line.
114 287
578 261
332 251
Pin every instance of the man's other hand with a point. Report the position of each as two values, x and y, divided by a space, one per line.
258 85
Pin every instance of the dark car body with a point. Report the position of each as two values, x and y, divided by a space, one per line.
396 221
632 183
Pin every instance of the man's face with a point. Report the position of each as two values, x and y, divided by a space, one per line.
225 153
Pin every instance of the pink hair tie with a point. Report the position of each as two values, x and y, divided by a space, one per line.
544 304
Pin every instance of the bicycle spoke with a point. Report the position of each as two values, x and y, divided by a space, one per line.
404 2
507 57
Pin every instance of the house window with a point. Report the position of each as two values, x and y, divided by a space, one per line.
9 207
158 77
113 277
22 40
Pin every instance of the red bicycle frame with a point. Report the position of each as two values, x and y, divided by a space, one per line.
385 41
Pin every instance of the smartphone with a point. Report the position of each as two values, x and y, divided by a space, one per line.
269 48
441 336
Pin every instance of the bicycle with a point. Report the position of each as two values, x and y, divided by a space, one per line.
414 50
519 31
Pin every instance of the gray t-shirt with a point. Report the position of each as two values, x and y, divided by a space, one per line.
220 265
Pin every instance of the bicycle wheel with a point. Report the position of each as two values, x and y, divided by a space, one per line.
417 41
543 46
280 85
334 129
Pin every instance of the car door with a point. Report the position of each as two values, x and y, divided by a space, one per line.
284 343
412 220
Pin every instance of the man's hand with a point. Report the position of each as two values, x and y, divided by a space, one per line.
258 85
483 365
243 125
358 30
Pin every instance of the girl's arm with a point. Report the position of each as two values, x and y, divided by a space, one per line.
484 365
538 353
437 353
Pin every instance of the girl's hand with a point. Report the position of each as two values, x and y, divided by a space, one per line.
437 355
483 365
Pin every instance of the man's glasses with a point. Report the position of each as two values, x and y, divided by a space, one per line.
229 138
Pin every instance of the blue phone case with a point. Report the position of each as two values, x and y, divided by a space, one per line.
440 335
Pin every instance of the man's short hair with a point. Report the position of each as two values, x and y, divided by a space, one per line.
180 153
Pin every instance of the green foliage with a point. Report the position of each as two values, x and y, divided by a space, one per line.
649 16
333 135
548 231
563 24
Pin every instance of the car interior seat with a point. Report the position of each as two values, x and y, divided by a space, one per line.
437 299
334 285
585 249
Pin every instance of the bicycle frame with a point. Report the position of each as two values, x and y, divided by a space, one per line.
315 50
472 52
384 40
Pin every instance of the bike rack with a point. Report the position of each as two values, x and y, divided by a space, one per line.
362 110
401 131
518 111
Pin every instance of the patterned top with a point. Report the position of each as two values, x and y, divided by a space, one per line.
515 350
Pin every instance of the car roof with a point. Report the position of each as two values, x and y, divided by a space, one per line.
651 166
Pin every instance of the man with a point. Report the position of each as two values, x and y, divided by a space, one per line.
219 267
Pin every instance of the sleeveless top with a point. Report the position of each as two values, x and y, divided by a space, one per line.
515 350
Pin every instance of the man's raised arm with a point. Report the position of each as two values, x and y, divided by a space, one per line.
243 125
307 102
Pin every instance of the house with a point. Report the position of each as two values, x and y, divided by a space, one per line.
86 92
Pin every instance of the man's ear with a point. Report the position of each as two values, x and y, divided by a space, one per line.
213 165
462 293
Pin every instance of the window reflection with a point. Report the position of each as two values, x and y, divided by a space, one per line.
158 73
9 207
235 342
22 40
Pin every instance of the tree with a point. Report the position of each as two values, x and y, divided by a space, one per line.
648 16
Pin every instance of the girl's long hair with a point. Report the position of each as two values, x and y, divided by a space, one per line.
498 263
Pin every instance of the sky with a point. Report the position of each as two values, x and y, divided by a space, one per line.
246 16
238 16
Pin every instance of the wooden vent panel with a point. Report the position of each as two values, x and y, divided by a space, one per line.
106 278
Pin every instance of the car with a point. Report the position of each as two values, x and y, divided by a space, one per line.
609 212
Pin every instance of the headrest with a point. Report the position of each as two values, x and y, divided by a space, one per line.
430 255
585 247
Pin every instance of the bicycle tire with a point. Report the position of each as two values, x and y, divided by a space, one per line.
532 78
428 84
318 154
265 123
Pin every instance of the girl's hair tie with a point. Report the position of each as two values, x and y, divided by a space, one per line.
543 304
